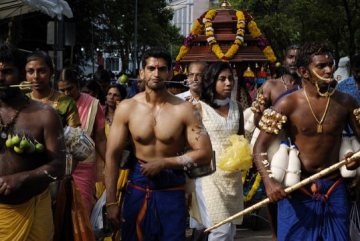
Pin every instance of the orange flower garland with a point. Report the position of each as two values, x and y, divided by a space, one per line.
204 23
209 32
195 30
262 41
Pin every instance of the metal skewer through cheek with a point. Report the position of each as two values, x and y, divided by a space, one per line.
184 83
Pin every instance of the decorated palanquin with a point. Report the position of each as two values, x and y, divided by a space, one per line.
226 34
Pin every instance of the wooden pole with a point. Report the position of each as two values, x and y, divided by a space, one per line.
288 190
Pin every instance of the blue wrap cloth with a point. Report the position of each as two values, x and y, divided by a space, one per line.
154 207
318 212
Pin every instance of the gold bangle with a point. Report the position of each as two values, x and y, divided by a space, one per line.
111 204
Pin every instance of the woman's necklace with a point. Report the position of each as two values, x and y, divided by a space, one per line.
319 128
44 99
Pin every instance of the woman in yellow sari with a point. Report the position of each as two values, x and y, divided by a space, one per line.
114 95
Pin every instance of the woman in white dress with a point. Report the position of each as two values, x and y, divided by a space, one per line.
222 192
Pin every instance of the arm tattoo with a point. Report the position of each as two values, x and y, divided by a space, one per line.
200 128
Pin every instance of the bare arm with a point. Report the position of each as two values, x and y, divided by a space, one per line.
274 190
99 134
198 139
115 145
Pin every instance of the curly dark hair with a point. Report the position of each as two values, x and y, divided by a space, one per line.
310 49
209 83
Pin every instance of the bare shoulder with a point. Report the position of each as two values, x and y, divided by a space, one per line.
38 109
128 104
345 99
271 83
182 105
288 103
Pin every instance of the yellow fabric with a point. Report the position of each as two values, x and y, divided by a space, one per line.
29 221
236 156
107 128
65 107
100 188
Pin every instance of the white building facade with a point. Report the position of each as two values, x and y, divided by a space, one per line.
187 11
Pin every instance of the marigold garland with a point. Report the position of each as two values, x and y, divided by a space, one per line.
262 42
253 29
254 188
269 54
204 23
209 32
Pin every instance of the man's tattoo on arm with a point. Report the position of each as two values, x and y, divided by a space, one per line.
199 129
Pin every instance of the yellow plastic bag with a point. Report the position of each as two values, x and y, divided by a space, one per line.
237 156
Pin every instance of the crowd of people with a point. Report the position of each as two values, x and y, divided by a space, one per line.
168 137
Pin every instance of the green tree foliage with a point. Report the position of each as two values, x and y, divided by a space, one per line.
115 29
286 22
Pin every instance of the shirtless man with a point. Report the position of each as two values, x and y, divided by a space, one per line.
160 126
273 89
32 155
314 119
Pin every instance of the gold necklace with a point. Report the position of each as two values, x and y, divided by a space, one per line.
319 127
44 99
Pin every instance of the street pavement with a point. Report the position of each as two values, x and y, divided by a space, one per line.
255 227
246 234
